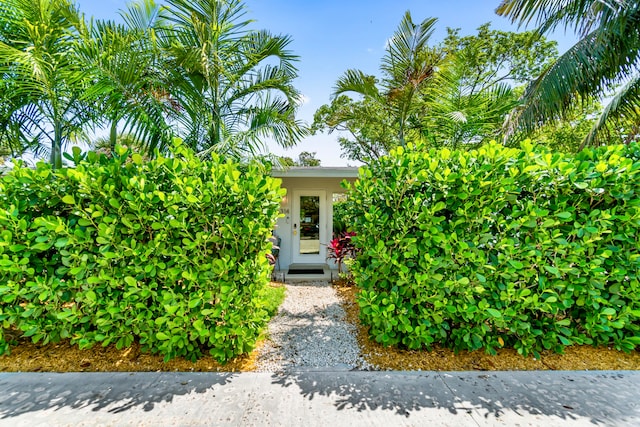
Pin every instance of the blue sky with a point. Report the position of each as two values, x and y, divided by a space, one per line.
332 36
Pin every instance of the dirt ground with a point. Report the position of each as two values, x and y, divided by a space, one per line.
62 357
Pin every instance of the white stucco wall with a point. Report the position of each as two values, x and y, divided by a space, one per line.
330 185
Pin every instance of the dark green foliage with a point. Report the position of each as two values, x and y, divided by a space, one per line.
500 247
340 217
169 252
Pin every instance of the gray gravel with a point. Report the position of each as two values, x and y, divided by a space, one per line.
310 333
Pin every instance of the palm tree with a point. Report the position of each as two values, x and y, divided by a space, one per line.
128 77
38 64
13 142
233 86
604 62
408 67
463 114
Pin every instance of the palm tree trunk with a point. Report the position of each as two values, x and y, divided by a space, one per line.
113 135
56 147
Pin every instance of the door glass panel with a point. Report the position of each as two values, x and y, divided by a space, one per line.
309 224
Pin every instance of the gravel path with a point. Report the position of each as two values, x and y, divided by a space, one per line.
310 332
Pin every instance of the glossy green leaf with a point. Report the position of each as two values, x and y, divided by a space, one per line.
494 313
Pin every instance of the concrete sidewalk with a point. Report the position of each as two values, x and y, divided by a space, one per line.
315 398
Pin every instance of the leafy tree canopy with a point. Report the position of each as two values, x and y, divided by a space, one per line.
305 159
365 131
494 56
462 101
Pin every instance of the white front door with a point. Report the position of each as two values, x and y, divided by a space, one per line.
309 226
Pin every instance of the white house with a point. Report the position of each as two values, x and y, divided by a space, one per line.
307 225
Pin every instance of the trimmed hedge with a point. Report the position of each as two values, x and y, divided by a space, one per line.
169 252
497 247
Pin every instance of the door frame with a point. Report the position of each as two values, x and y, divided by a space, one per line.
296 256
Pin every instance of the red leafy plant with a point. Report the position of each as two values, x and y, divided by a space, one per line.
341 248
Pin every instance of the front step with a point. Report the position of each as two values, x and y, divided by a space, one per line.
300 275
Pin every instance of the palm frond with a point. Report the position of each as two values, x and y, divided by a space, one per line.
227 77
358 82
460 112
185 14
406 57
623 109
591 68
607 55
266 79
583 16
142 16
260 46
38 57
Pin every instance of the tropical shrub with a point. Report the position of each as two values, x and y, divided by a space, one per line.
169 252
341 247
340 217
500 247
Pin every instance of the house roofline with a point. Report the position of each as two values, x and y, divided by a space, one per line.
316 172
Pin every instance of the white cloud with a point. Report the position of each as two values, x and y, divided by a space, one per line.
303 99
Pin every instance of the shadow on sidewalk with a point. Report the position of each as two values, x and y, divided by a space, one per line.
119 391
605 397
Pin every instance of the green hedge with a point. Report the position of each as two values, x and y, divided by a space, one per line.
496 247
169 252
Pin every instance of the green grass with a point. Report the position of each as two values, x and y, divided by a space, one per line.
272 297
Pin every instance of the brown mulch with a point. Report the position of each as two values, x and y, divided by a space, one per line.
442 359
62 357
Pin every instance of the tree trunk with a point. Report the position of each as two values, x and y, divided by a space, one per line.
113 136
56 147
